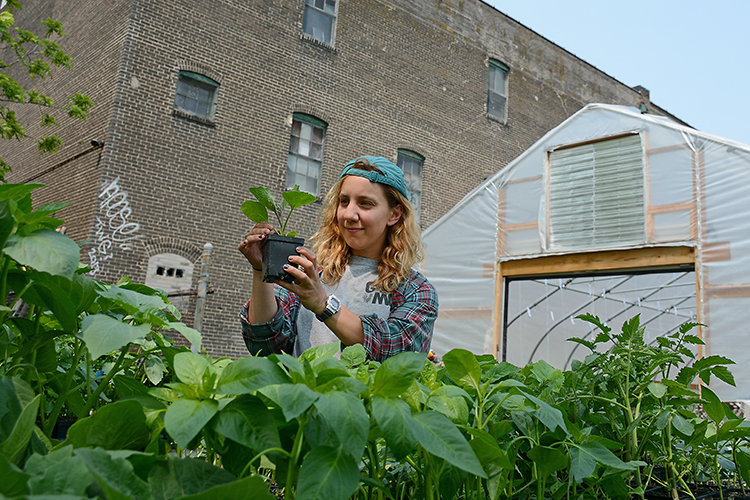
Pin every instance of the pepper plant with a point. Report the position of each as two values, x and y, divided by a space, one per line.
63 333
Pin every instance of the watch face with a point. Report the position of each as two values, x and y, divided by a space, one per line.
334 303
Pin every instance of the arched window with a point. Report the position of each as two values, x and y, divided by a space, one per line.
196 95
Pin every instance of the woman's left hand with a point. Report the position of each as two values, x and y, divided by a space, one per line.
306 284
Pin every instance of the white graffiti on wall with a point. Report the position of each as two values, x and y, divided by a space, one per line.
113 230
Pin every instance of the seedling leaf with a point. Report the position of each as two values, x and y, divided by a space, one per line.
297 198
255 211
263 195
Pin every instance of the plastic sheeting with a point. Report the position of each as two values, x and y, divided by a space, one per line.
695 194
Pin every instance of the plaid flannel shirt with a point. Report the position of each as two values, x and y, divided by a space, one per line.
414 308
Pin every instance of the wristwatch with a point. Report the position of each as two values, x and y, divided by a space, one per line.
333 305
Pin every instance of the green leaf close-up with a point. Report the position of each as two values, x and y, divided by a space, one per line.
246 375
292 399
463 368
394 418
327 474
185 418
45 250
396 374
248 421
104 334
117 426
439 436
347 416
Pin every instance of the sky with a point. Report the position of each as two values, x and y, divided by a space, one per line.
693 56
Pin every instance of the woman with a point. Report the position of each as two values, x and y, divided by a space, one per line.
356 285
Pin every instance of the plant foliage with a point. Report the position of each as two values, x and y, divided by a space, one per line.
158 422
37 55
257 211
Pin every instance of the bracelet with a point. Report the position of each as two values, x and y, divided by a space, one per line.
256 269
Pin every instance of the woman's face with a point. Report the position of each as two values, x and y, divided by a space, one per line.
363 216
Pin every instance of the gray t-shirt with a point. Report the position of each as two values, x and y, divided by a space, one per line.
356 293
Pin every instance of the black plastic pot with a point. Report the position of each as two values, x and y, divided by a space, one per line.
276 251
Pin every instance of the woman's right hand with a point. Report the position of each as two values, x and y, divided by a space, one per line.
250 246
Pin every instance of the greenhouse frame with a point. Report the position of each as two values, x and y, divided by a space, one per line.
614 213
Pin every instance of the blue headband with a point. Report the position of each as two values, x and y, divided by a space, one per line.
391 174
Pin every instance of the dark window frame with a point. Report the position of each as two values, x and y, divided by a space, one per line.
315 149
497 99
204 107
315 12
403 154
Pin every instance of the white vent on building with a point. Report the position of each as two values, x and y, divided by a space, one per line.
596 194
173 274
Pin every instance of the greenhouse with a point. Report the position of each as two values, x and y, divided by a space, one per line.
613 213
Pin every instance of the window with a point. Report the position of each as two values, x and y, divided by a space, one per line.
196 95
411 163
320 20
596 195
497 94
305 153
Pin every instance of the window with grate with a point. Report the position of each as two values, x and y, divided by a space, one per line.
411 163
305 153
320 20
196 95
497 93
596 194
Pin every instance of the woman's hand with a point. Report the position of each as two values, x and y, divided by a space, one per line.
250 246
307 285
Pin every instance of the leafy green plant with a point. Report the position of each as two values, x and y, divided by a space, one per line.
160 422
63 333
632 398
257 211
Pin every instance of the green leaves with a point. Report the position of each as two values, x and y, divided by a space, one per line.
293 399
257 211
346 415
394 418
439 436
327 474
584 458
296 198
463 368
12 447
104 334
247 375
114 475
397 373
247 421
45 250
185 418
117 426
21 45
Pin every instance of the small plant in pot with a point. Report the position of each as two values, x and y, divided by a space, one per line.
277 247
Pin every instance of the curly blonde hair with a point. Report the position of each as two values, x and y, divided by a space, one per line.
403 244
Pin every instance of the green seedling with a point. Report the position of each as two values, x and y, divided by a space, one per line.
257 211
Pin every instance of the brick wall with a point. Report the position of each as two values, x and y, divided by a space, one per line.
403 74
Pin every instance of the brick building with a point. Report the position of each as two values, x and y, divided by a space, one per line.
198 100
